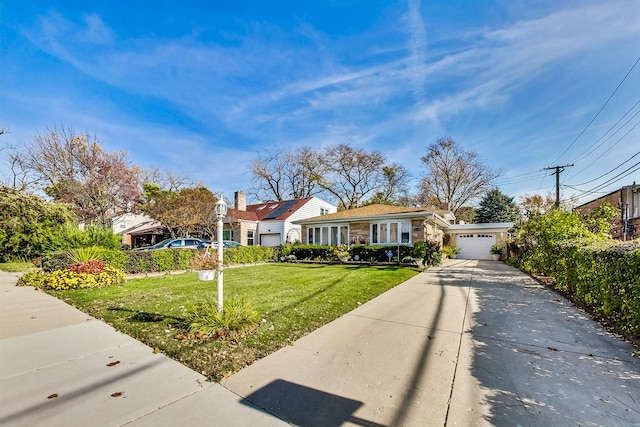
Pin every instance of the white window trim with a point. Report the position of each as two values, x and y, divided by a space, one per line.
388 233
326 229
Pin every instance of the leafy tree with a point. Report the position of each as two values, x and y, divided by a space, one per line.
184 212
73 168
466 214
454 177
532 204
30 225
496 206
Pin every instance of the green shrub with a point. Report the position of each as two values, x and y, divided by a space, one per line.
74 238
56 261
450 251
116 258
31 279
139 262
249 255
205 320
182 258
163 259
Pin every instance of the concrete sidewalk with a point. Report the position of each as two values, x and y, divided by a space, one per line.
467 343
61 367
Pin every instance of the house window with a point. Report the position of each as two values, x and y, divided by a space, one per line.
324 211
250 238
227 234
405 233
328 235
391 232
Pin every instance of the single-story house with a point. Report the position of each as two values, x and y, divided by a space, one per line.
136 229
377 225
271 223
475 240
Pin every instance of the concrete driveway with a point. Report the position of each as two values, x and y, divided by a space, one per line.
467 343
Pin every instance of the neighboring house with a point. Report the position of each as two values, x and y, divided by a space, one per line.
270 223
377 225
137 230
627 199
475 240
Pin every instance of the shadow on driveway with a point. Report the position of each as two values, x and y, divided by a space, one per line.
545 362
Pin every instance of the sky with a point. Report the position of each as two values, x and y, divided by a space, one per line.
202 88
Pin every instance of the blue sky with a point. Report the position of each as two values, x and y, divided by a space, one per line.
203 87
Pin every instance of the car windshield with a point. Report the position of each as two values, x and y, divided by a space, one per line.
164 243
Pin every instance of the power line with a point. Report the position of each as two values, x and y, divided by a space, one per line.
585 152
612 180
599 111
607 173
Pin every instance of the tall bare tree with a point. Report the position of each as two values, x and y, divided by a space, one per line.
394 187
166 180
454 177
281 175
351 175
73 168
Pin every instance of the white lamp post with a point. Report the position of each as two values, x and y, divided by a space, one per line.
221 212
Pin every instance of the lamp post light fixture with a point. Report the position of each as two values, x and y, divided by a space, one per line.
221 212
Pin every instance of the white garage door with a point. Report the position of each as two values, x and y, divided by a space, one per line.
475 246
270 239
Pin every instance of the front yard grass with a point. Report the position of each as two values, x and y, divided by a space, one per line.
292 299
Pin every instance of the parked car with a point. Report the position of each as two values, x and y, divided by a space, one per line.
208 244
179 243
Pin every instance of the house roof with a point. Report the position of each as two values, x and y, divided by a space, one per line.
480 227
268 211
147 227
376 211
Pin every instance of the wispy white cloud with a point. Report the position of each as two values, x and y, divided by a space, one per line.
268 90
418 49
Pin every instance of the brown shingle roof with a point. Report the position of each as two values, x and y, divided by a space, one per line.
374 210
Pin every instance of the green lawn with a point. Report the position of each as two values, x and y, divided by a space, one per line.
17 267
292 299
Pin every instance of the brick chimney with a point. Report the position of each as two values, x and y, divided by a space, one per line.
241 200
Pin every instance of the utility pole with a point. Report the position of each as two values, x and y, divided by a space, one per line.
557 174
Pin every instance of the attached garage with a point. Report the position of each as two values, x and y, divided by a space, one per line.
273 239
475 246
475 240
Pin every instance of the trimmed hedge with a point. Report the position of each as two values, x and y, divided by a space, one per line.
248 254
137 262
362 253
603 276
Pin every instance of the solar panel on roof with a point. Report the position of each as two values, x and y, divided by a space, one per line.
281 209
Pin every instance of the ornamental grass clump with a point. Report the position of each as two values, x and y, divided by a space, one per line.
206 321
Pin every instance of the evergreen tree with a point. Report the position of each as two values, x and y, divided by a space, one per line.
496 206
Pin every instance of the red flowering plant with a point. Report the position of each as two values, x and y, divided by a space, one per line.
93 266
